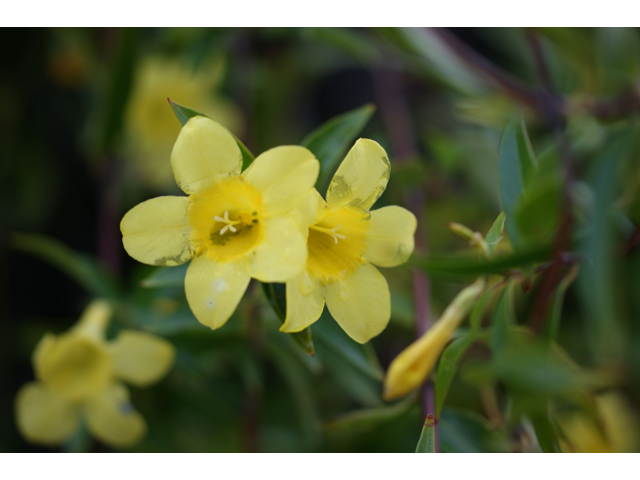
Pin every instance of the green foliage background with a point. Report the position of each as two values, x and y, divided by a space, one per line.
539 123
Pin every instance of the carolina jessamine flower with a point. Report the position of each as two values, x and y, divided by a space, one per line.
615 431
411 368
79 377
234 225
344 240
151 127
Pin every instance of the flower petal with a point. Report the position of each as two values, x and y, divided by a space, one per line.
310 209
214 289
283 175
203 152
361 177
141 358
282 253
360 303
94 320
112 418
305 302
44 416
390 236
156 232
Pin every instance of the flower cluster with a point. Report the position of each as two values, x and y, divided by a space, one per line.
79 379
269 223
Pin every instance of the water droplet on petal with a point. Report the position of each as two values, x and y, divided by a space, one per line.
344 296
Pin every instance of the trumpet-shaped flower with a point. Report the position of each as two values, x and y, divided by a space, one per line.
411 368
79 376
234 226
344 240
151 127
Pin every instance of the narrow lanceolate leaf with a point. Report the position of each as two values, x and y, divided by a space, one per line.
276 295
81 268
452 355
558 300
597 279
547 437
515 163
455 267
494 236
330 141
427 443
503 317
185 113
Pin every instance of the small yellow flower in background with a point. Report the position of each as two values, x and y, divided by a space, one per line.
616 429
344 240
411 368
233 225
78 377
152 127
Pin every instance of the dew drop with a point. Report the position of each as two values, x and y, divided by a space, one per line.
344 296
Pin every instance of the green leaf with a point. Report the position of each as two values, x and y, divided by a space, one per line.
494 236
330 141
80 267
361 357
163 277
365 420
185 113
503 317
597 279
547 437
427 441
558 300
515 163
462 431
276 295
455 267
451 356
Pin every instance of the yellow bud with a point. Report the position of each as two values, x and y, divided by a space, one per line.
410 369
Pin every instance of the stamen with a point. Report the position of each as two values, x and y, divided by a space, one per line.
229 223
331 232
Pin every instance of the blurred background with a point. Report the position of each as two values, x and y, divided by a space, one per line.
86 134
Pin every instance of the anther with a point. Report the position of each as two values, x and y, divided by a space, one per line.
229 223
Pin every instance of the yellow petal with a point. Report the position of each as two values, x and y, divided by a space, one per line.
411 368
141 358
361 177
72 365
44 416
305 302
156 232
214 289
282 253
360 303
309 209
204 152
94 320
390 236
112 419
284 175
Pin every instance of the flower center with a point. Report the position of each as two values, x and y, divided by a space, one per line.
333 255
226 220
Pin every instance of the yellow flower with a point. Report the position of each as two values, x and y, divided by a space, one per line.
79 376
344 240
411 368
235 226
152 127
615 431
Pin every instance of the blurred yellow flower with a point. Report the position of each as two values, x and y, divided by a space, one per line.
79 376
234 225
614 431
411 368
152 128
344 240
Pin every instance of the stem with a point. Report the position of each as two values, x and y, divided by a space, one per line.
388 86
